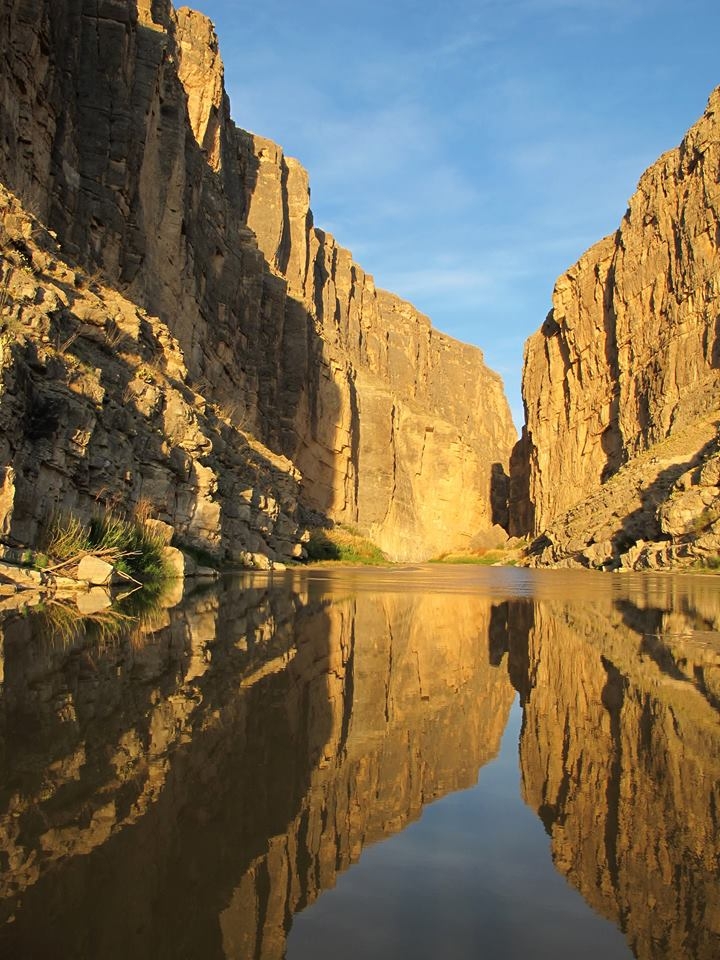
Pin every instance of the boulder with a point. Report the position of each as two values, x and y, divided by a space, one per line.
163 531
253 561
22 576
179 563
710 472
97 571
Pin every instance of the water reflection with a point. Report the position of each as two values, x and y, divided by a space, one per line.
186 789
620 755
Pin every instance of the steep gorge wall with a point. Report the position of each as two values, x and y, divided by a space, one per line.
629 354
96 408
115 132
423 450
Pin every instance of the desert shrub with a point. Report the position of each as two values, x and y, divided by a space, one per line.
127 543
483 558
140 552
343 543
321 547
66 537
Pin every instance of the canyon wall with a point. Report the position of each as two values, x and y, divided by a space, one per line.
115 134
627 358
98 411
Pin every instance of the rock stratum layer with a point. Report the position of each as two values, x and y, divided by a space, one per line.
115 134
621 384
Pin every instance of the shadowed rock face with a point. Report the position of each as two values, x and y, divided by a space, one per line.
115 132
227 764
620 756
627 358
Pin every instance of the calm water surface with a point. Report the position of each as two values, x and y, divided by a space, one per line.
408 763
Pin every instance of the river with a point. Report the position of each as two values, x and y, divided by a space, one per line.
415 762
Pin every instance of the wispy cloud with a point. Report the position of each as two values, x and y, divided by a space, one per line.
462 44
439 281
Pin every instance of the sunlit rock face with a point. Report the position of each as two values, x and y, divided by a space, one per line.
417 420
97 409
623 375
227 760
115 133
620 756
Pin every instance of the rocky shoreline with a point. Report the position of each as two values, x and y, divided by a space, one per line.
92 584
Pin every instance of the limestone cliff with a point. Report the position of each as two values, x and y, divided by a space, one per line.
97 411
627 358
396 469
115 133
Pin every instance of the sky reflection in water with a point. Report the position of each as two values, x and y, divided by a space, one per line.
473 877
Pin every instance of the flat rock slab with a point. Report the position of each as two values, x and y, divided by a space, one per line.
22 576
97 572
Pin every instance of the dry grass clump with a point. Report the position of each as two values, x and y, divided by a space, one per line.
343 543
127 543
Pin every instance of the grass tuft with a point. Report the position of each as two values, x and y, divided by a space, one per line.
707 564
131 546
483 558
66 537
344 544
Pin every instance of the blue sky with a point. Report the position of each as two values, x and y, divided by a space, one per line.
467 153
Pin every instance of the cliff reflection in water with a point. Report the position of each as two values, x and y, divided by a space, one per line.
620 753
184 791
185 795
